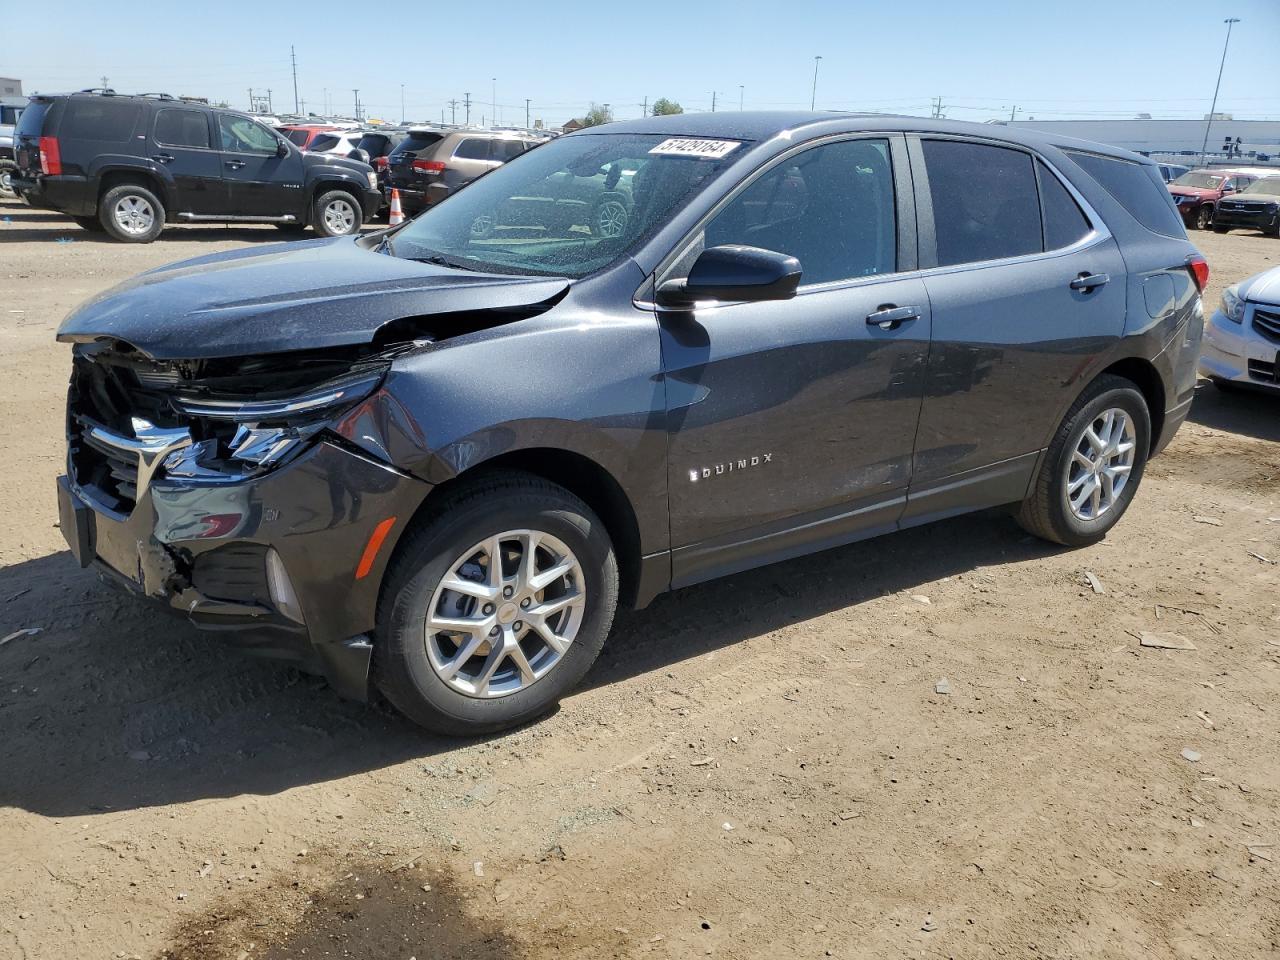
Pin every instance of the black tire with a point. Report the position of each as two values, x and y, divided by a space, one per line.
485 508
294 229
92 224
7 170
609 217
1204 217
1272 231
1046 512
1221 229
332 202
147 204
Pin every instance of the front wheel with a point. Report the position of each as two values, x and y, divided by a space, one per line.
1204 217
1093 466
495 607
337 214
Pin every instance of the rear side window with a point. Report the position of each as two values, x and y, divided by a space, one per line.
1137 188
99 118
472 148
1064 221
326 141
985 204
182 128
375 144
31 122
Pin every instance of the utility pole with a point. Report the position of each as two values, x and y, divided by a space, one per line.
813 97
713 101
250 98
324 101
356 96
741 88
494 101
644 108
105 85
1213 108
402 103
302 110
526 113
1013 113
466 102
453 112
937 108
270 107
293 58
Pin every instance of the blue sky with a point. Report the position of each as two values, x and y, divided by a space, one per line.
1049 59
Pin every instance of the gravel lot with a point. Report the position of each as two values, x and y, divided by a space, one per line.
759 767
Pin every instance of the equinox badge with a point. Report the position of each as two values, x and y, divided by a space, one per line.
731 467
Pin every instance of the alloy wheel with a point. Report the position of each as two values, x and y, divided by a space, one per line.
611 219
340 217
134 215
1101 464
505 614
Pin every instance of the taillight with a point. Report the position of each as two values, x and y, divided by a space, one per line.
50 158
432 167
1199 268
379 163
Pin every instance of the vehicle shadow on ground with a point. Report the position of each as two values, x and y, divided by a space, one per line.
117 706
1251 413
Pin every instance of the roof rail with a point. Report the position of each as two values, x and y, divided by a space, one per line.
158 96
105 91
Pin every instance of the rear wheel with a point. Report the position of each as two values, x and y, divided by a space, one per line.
131 213
1218 229
1204 216
495 607
1093 466
6 179
337 214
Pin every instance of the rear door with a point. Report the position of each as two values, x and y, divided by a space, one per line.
259 182
1026 288
184 141
791 423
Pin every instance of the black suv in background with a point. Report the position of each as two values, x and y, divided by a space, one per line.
131 164
430 164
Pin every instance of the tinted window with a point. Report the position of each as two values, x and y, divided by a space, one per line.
416 142
9 115
31 121
99 118
298 137
830 207
376 144
1137 188
505 150
326 141
1064 222
182 128
242 135
985 205
472 148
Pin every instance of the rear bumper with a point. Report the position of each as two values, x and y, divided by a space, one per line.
416 198
75 196
202 552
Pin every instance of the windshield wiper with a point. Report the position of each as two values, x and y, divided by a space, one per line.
442 261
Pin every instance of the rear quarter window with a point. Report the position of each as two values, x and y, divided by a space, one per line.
1136 187
326 141
99 118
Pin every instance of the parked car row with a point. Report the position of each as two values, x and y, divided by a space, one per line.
1199 193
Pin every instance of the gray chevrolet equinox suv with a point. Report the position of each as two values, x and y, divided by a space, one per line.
432 461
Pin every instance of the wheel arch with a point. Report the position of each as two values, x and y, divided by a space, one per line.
1143 374
581 476
113 177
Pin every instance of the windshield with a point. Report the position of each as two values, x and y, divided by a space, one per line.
1267 185
1203 181
567 208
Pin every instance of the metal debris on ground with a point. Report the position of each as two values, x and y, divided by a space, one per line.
1258 556
1261 851
1094 582
24 632
478 868
928 926
1165 641
1205 718
1191 755
943 686
921 598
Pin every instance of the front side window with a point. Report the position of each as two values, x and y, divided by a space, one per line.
985 204
830 207
242 135
472 148
182 128
569 208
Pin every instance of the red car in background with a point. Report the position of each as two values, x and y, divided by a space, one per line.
301 134
1195 192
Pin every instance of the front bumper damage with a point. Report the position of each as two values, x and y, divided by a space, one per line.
205 552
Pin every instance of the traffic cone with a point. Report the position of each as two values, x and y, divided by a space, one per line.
397 215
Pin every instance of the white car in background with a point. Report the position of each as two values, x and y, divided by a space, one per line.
1242 339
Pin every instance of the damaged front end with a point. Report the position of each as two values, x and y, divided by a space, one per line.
221 488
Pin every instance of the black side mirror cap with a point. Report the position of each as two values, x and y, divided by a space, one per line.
282 149
734 272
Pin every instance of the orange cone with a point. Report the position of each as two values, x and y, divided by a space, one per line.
397 215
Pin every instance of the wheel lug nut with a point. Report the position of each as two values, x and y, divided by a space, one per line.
518 625
507 592
524 604
488 609
494 632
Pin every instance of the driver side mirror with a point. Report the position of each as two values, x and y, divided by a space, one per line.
734 273
282 148
1229 188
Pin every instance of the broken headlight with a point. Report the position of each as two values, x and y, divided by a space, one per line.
236 438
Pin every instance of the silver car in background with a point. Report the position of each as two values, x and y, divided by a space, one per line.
1242 339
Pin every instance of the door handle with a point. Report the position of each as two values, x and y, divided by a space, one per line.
235 164
163 158
890 317
1087 281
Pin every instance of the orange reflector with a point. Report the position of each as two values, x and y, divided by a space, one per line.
373 546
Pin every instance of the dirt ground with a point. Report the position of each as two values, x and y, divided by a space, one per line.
759 767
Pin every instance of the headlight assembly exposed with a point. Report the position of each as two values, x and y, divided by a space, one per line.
1232 306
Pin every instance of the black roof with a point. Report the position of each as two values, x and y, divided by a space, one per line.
765 125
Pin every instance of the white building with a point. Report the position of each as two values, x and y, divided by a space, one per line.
1168 137
10 87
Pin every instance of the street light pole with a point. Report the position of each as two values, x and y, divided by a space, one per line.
813 99
402 103
526 113
494 115
741 87
1204 147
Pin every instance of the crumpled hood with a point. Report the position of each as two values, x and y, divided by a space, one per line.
292 296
